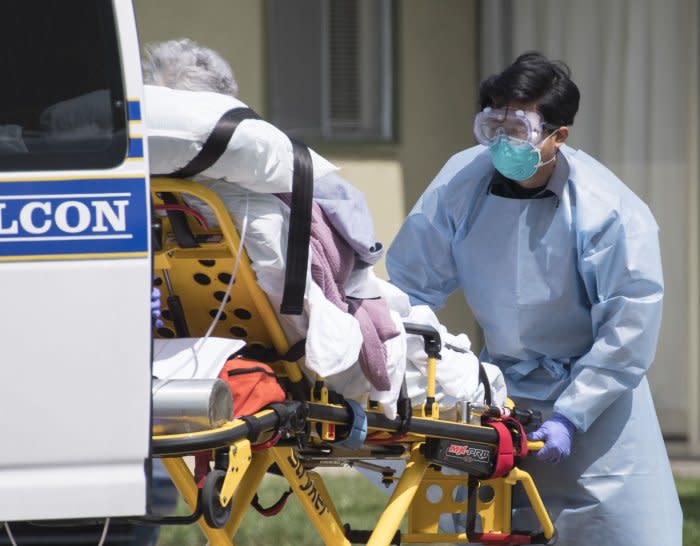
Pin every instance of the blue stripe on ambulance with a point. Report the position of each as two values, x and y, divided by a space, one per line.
134 110
88 216
135 147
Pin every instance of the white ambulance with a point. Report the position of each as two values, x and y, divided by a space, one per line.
75 263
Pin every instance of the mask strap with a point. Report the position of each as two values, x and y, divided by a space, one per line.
543 163
539 147
545 139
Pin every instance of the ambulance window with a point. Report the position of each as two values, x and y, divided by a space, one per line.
62 98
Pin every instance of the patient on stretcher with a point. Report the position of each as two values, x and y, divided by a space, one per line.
335 339
352 320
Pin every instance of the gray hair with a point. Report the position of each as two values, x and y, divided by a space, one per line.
184 64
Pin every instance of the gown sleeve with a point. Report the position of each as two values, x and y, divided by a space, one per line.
621 269
420 260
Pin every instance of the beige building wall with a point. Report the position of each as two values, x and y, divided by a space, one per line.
234 28
438 99
435 92
436 89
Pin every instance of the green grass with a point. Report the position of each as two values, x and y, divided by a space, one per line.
689 493
359 503
356 499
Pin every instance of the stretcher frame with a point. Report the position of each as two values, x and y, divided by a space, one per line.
244 446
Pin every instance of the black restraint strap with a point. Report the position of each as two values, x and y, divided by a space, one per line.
299 231
404 409
472 489
178 222
215 145
484 379
302 196
269 355
255 428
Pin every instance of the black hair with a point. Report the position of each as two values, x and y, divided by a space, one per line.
533 78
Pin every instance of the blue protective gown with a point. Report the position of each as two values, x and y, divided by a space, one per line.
568 289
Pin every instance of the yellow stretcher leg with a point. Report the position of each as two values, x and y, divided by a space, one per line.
400 500
533 496
315 504
321 488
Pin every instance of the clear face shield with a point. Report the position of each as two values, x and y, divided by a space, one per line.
519 125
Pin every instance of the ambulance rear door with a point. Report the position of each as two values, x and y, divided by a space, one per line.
75 272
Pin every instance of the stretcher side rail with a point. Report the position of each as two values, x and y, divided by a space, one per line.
428 427
289 415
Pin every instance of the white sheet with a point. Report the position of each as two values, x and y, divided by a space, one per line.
258 157
192 358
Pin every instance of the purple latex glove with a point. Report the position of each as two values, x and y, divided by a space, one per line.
155 308
557 433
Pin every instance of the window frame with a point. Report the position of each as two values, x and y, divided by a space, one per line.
385 130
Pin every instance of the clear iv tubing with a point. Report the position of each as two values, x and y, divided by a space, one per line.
200 343
244 227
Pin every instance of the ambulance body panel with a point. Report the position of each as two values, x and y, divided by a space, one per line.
75 327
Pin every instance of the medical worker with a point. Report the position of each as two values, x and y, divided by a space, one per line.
559 262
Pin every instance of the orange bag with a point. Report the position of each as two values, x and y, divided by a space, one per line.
253 385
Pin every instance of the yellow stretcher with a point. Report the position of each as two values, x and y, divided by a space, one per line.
299 434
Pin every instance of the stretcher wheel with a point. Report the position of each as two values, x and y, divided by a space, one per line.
214 513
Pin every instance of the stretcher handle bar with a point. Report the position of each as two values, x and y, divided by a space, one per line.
431 337
534 445
432 345
433 428
290 414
